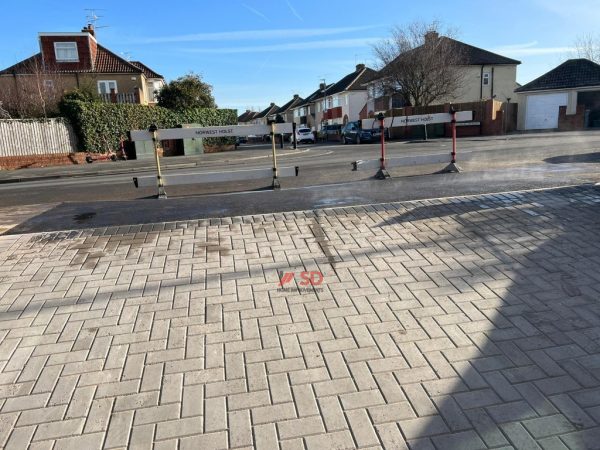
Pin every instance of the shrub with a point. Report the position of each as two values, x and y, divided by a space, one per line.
100 126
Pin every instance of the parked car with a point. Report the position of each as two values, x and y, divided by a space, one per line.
354 133
304 134
330 132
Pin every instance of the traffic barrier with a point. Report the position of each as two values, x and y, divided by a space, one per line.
383 163
156 135
215 177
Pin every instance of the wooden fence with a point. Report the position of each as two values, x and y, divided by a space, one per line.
36 137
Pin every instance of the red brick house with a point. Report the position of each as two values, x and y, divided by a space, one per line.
75 60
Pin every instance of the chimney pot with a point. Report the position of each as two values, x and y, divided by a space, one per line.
89 29
431 35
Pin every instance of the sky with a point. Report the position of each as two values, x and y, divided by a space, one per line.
255 52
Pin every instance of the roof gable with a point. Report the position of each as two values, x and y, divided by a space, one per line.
106 62
353 81
475 56
272 107
469 54
574 73
292 103
319 93
146 70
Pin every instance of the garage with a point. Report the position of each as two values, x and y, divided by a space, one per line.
566 98
542 110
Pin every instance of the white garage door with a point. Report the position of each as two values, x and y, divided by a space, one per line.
542 110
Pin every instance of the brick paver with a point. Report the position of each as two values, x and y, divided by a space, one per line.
460 323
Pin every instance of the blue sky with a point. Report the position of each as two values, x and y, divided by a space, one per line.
254 52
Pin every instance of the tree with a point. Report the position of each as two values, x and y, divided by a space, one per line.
188 91
420 64
3 113
35 94
588 46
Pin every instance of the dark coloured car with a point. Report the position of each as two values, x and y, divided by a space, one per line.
352 133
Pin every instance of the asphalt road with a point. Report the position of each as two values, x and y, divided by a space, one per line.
325 179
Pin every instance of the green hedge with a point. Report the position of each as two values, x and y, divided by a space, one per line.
100 126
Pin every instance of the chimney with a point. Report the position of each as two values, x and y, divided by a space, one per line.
296 96
431 35
360 67
322 86
89 29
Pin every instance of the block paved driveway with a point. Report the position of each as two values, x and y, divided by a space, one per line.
461 323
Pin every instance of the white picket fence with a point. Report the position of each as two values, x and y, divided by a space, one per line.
36 137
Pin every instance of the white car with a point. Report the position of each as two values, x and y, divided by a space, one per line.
304 134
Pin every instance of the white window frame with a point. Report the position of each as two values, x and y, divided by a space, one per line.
486 79
107 82
66 46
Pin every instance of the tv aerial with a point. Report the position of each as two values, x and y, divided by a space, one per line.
92 18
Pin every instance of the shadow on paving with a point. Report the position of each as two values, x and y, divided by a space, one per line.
580 158
526 366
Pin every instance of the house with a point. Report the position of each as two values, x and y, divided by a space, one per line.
344 100
287 111
262 118
565 98
485 75
246 117
75 60
304 113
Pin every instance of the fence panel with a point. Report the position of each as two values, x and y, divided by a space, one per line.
36 137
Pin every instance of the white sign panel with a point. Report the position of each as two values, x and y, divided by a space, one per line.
424 119
206 132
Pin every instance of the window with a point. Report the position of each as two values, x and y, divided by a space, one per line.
486 79
347 98
319 107
66 51
105 86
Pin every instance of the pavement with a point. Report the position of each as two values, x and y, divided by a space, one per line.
458 323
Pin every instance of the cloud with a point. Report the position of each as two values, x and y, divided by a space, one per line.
294 12
530 49
580 11
256 12
311 45
254 35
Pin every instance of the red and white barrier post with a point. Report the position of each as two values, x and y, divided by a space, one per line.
452 167
382 174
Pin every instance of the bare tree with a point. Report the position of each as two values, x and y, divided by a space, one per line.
420 64
4 114
35 92
588 46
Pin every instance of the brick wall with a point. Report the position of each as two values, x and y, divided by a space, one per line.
23 162
489 113
571 122
86 48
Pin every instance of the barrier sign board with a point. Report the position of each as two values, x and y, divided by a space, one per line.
206 132
424 119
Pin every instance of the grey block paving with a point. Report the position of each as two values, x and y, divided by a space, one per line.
459 323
